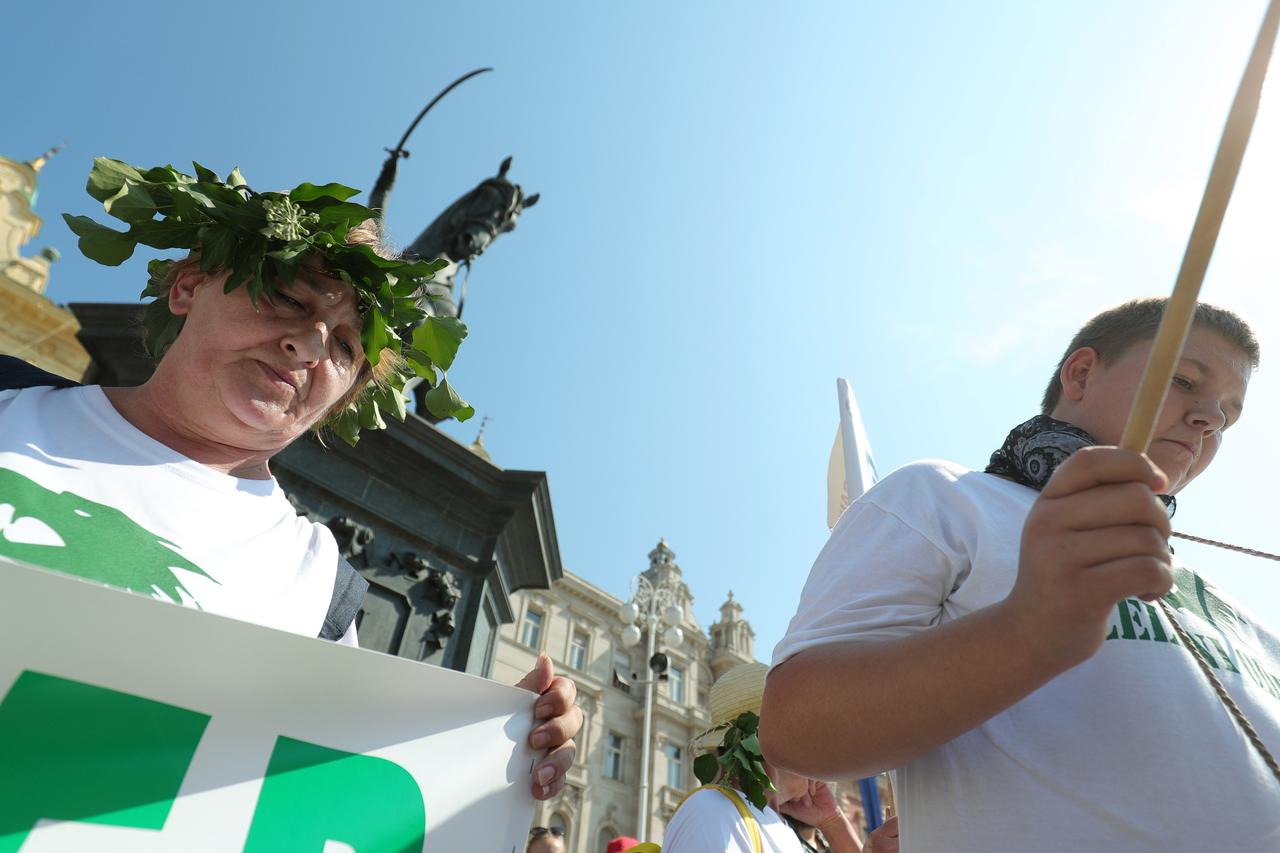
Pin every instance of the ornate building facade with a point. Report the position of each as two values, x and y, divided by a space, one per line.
34 328
576 623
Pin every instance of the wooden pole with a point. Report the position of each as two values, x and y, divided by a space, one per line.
1180 311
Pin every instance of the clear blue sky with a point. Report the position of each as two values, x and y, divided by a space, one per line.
739 204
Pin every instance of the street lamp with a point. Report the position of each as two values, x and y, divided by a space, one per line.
650 606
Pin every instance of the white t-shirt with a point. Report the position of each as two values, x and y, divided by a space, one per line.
83 491
1130 750
708 822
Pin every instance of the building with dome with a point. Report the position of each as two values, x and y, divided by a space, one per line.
576 623
34 328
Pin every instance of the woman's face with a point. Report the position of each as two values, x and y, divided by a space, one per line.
266 374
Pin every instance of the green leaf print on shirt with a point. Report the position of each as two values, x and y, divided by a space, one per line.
68 533
1194 595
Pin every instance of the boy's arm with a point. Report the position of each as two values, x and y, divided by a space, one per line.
851 710
1096 535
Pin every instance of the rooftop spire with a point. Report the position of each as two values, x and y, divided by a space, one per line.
477 447
38 163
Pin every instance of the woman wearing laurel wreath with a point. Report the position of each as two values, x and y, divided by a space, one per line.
286 316
741 805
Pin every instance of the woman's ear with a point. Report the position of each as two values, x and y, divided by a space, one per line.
1076 371
182 291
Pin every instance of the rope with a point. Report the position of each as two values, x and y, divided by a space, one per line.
1237 548
1227 701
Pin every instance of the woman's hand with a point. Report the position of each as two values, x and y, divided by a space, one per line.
562 719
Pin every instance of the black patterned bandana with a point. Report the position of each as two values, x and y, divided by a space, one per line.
1035 449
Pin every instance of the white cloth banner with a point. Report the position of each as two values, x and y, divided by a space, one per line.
128 724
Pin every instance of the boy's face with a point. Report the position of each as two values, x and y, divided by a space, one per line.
264 376
1205 398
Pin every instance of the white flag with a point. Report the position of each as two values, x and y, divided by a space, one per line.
846 483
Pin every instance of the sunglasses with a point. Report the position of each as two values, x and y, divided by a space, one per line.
539 831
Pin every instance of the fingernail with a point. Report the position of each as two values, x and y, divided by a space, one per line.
544 776
546 790
539 740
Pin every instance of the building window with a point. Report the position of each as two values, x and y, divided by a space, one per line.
675 767
578 650
613 757
621 667
675 684
531 629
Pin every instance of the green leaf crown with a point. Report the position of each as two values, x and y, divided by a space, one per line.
739 759
262 240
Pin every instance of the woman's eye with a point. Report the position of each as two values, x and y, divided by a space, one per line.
1184 384
348 349
289 300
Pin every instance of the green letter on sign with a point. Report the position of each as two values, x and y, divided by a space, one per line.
72 751
313 794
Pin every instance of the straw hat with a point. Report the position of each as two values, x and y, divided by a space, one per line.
739 690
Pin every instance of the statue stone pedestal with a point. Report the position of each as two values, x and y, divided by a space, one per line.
442 534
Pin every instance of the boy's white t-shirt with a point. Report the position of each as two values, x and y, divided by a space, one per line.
709 822
83 491
1131 750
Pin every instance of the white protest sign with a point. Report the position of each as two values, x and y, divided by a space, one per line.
128 724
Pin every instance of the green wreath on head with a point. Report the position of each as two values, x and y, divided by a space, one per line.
738 759
262 240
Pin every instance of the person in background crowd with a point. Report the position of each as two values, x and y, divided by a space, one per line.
543 839
720 818
808 835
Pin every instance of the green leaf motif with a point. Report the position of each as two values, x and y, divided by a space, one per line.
439 338
167 175
443 402
108 176
205 175
131 203
166 233
100 243
706 768
390 400
217 246
374 336
347 425
311 192
190 203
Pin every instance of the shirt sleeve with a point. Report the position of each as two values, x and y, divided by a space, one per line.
707 822
884 573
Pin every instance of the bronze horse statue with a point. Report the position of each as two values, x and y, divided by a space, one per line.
466 228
